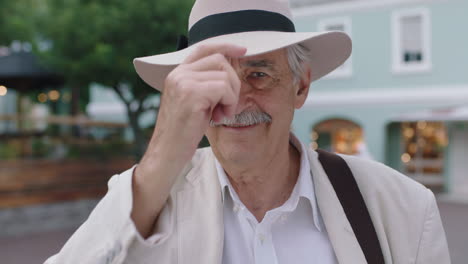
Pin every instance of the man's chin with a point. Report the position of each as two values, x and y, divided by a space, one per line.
238 150
241 157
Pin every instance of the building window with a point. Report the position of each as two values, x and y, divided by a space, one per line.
423 152
411 41
340 136
338 24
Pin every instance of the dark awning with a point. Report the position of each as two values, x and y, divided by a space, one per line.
22 71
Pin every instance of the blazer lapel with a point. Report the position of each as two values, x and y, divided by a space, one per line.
200 226
342 237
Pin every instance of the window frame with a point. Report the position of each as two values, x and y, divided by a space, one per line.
399 66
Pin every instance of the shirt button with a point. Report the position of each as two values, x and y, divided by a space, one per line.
261 237
238 207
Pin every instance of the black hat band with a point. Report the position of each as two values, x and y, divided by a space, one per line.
235 22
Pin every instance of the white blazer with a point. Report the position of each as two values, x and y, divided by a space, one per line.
404 213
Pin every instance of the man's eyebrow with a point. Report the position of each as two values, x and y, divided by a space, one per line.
259 63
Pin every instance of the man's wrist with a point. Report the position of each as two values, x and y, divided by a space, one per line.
157 162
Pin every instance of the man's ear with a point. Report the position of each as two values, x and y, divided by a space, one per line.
303 87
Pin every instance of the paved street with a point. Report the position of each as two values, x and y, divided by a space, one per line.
31 249
455 219
36 248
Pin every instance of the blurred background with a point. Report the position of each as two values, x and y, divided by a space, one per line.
73 112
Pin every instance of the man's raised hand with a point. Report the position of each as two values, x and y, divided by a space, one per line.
204 87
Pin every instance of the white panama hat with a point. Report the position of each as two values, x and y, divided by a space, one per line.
259 25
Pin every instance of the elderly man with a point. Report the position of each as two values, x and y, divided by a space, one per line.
257 195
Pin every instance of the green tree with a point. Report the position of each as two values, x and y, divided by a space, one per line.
95 41
17 20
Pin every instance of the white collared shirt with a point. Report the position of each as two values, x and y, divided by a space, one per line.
292 233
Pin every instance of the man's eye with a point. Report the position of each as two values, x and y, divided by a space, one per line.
258 74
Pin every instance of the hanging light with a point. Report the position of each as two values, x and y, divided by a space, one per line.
3 90
54 95
421 125
406 157
314 145
315 136
42 97
408 132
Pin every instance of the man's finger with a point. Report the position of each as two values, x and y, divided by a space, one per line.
216 63
218 114
225 49
218 92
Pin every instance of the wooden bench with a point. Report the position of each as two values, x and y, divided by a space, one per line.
27 182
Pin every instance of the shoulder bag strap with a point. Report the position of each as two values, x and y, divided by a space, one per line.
353 204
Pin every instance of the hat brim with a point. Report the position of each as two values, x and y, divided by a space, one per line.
327 51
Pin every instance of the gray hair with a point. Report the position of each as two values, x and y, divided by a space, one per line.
297 55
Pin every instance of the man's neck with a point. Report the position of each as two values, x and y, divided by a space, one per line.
268 184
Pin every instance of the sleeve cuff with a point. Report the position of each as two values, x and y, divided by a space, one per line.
126 201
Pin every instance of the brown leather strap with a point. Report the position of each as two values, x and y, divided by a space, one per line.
353 204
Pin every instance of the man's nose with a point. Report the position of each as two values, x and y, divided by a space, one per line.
246 98
245 88
245 93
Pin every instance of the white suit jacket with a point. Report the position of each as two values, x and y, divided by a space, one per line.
404 213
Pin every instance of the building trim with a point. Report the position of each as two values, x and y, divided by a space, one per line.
450 94
352 6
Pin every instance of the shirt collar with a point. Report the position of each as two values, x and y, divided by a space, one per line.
304 186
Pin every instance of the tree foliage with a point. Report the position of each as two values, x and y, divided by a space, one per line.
17 20
95 41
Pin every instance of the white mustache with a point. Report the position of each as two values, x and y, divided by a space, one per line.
245 118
